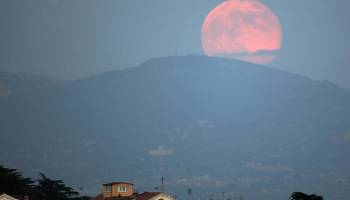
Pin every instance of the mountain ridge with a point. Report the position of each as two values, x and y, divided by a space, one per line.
12 83
208 123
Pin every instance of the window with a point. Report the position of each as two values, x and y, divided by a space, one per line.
107 188
122 188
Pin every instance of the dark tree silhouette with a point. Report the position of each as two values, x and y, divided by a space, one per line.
54 189
13 183
315 197
303 196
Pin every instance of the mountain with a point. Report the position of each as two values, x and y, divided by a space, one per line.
210 124
13 83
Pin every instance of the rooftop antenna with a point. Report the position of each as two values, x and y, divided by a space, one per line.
162 186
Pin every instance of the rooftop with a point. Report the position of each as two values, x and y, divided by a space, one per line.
142 196
115 183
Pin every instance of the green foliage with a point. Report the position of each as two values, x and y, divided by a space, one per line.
13 183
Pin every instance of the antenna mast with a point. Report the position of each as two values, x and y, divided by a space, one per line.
162 184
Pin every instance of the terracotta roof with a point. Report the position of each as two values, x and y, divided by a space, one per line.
113 183
142 196
147 195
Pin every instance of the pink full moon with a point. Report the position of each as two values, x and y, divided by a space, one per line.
242 29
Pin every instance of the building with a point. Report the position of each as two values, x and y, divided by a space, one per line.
117 189
125 191
154 196
4 196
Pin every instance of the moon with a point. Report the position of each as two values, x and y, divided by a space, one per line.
242 29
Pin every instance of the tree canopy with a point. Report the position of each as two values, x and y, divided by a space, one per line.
303 196
13 183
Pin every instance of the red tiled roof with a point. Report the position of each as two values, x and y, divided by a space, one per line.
142 196
147 195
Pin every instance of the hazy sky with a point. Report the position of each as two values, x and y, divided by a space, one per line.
69 39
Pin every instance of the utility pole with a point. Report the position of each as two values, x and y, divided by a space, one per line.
189 192
162 184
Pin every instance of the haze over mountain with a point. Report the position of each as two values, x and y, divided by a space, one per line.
13 83
211 124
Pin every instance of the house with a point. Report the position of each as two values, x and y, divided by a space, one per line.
5 196
117 189
125 191
154 196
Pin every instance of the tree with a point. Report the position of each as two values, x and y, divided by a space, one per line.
315 197
13 183
303 196
50 189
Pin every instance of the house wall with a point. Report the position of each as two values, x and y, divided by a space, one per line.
106 194
116 193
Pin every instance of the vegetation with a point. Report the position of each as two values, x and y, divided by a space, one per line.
13 183
303 196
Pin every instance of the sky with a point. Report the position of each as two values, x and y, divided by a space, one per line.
71 39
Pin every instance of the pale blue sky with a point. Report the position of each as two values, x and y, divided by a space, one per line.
69 39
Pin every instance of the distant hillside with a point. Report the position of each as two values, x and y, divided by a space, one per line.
214 125
13 83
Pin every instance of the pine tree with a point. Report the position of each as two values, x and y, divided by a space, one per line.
13 183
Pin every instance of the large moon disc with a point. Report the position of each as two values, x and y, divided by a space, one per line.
242 29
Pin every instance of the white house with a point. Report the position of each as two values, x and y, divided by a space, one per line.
4 196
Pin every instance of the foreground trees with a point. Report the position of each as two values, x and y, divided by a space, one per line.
303 196
13 183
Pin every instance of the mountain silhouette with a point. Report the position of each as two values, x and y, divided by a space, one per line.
12 83
207 123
